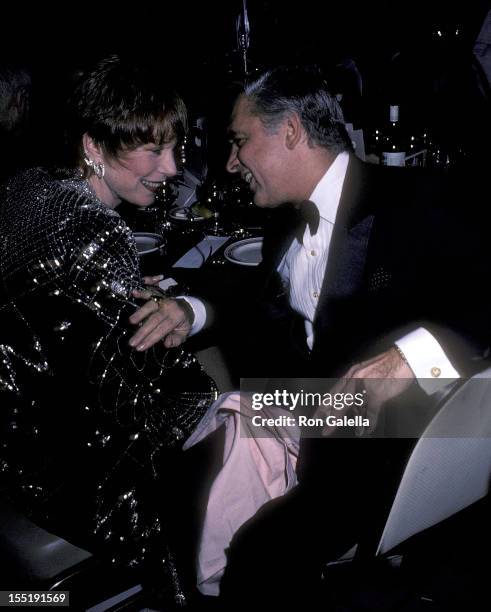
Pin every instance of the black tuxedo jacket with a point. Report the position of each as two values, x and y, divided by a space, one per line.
405 252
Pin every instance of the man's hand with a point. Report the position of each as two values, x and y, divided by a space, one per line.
160 319
386 376
382 378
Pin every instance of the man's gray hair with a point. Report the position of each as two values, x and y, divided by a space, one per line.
300 90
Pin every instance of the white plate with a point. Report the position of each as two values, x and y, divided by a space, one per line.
245 252
147 243
184 214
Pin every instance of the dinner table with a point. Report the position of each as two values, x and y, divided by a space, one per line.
215 257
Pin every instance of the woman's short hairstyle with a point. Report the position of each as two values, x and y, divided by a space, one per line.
121 105
286 90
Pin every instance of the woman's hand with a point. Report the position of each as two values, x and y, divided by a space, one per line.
160 318
153 280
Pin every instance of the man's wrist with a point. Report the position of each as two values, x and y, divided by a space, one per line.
427 360
199 312
401 355
188 310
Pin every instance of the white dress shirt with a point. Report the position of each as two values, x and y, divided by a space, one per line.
302 271
304 264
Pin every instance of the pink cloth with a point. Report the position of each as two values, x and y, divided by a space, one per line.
258 465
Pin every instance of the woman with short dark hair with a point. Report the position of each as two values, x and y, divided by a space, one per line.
89 422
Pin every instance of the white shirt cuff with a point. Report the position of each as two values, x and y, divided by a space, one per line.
427 360
199 313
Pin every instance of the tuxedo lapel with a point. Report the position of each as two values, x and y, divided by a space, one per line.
346 264
349 244
276 244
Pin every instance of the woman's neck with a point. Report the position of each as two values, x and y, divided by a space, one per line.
103 192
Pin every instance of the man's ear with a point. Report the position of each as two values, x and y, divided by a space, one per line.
294 131
92 150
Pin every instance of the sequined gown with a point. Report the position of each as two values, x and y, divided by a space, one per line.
89 426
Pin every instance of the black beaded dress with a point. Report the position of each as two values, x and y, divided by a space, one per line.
88 425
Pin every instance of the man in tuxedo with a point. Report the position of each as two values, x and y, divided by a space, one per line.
375 270
370 274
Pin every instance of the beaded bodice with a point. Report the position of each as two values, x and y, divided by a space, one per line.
86 421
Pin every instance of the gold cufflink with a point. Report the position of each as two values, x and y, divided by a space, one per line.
435 372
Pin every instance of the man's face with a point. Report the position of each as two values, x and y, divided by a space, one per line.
259 156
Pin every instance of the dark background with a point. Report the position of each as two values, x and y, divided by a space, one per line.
191 33
394 45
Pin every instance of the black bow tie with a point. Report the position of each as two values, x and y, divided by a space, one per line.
309 215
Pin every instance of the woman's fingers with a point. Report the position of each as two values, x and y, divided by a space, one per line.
153 280
163 319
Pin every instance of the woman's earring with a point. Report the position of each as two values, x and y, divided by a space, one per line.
98 167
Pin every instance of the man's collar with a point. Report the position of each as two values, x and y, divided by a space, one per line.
327 193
